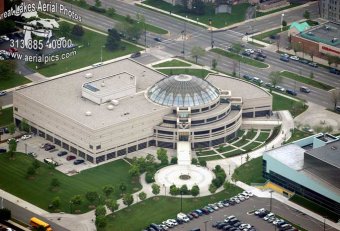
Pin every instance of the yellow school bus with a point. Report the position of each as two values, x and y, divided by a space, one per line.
35 222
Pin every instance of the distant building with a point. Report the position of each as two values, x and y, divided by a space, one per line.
320 41
309 167
296 28
330 9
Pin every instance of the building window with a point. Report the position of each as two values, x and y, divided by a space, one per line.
211 119
98 147
16 109
91 146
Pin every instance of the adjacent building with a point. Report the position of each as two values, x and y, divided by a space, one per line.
309 167
115 109
330 10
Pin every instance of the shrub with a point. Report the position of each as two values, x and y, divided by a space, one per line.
212 188
149 177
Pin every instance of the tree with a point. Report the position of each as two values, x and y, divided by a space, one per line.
227 185
55 202
306 15
155 189
100 210
162 156
55 182
184 189
101 222
112 205
11 128
122 187
134 170
111 11
24 125
91 196
142 196
174 160
214 63
212 188
98 3
198 7
203 162
76 200
65 29
12 147
78 30
113 40
174 190
284 23
335 96
194 161
108 190
195 190
275 78
150 177
127 199
197 52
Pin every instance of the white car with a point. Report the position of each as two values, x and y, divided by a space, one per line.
183 217
168 224
25 137
294 57
32 154
249 193
251 51
164 227
4 37
277 221
260 211
174 222
280 88
245 226
268 216
9 140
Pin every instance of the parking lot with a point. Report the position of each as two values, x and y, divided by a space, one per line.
33 145
241 211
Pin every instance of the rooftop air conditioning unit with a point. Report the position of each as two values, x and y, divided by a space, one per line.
88 75
88 113
110 107
115 102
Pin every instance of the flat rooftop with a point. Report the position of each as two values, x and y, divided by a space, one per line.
63 95
238 87
330 153
324 33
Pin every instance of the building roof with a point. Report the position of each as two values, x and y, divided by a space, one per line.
238 87
330 153
63 95
300 26
183 91
327 33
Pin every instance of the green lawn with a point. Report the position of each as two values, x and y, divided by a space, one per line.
204 153
284 103
224 149
173 63
156 210
251 134
250 172
251 146
263 136
14 81
241 143
201 73
121 18
255 44
233 153
218 20
240 133
259 14
89 53
216 157
37 191
297 135
308 204
267 34
6 116
306 80
240 58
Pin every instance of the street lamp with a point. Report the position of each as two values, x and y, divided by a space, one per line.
184 35
282 20
101 54
271 198
211 34
205 225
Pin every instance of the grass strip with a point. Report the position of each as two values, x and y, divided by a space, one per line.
6 116
201 73
250 172
13 81
173 63
306 80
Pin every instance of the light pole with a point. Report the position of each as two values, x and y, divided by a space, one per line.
324 223
184 35
211 34
205 225
282 15
101 54
271 198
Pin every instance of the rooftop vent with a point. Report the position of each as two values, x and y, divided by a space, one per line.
88 75
115 102
334 40
327 28
310 33
88 113
334 148
102 84
110 107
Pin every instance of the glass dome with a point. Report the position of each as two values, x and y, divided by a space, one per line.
183 91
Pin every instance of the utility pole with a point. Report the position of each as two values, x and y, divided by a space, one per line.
211 34
271 198
184 35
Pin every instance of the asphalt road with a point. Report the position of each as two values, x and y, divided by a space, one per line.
24 215
197 36
241 211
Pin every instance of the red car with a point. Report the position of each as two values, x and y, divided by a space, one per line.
12 50
70 157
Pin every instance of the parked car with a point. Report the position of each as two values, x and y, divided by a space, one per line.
304 89
198 212
194 214
62 153
136 55
259 58
49 147
2 93
79 161
245 53
313 64
2 150
280 88
33 154
261 55
158 39
25 137
269 85
334 71
291 92
304 61
70 157
284 58
251 51
294 57
257 80
247 77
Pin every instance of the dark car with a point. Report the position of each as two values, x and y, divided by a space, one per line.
190 216
259 58
158 39
199 212
221 225
179 221
227 227
245 53
262 214
70 157
136 55
237 224
334 71
304 61
79 161
194 214
2 150
284 58
155 227
262 55
62 153
247 77
313 64
216 223
49 147
205 211
291 92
